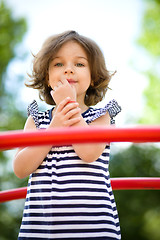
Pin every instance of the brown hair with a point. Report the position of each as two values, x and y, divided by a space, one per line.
100 76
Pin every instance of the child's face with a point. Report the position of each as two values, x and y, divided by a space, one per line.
71 63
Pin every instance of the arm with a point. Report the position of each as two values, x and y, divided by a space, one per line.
70 116
28 159
87 152
91 151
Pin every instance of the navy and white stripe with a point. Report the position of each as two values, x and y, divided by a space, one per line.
112 108
68 198
33 111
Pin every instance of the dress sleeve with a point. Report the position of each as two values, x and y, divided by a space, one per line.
112 108
33 111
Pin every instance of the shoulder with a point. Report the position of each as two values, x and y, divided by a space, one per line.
30 124
104 114
39 117
102 120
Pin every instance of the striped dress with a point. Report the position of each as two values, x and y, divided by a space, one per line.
68 198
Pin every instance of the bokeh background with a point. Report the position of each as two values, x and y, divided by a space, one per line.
128 32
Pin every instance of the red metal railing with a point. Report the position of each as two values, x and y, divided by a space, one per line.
69 136
65 136
117 184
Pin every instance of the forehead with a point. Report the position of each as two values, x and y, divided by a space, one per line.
71 48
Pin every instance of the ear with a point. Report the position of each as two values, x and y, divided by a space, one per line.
92 83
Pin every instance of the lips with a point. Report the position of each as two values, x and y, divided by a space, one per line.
71 81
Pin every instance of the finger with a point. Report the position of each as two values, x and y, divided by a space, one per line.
64 81
63 103
69 106
72 112
55 88
72 121
59 84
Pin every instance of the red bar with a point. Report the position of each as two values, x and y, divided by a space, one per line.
143 183
117 184
67 136
13 194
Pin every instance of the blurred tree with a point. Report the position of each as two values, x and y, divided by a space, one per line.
149 40
139 210
11 33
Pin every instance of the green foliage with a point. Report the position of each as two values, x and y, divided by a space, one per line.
151 114
150 41
152 223
150 36
9 220
11 34
137 161
139 210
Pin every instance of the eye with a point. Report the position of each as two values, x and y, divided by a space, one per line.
58 65
79 64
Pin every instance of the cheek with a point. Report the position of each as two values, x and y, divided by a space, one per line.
52 77
86 81
51 73
89 78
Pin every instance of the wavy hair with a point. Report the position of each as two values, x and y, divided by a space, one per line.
100 76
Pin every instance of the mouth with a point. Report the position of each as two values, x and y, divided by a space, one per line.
71 81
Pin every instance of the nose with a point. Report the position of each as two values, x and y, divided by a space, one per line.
69 69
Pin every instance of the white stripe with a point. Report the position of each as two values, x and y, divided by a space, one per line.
67 194
71 162
75 226
74 177
70 235
70 218
75 201
95 187
71 169
69 210
62 155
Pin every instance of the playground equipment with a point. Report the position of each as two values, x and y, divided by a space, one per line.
68 136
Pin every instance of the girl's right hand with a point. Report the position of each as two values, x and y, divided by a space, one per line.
66 114
62 90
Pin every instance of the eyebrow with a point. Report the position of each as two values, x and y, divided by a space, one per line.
75 57
82 57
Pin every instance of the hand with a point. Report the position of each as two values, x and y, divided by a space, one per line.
66 114
63 90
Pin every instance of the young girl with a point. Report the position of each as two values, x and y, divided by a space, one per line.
69 192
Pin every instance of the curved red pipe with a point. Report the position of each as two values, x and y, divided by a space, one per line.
117 184
82 135
67 136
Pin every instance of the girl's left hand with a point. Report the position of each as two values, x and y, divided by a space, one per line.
66 114
63 90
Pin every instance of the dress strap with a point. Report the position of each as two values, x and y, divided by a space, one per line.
33 111
112 108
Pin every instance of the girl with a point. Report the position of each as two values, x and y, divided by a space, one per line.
69 192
